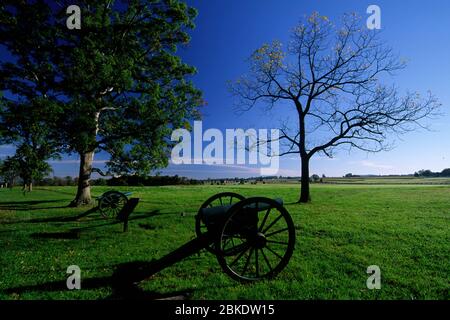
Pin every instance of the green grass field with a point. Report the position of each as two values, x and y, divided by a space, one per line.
405 230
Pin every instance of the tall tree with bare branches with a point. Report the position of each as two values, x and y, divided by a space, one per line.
336 78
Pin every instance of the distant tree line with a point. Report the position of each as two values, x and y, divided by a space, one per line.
10 178
430 174
136 180
139 181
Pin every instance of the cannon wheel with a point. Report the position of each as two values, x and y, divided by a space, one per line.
111 202
258 251
220 199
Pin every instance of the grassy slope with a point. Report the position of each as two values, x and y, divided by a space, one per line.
404 230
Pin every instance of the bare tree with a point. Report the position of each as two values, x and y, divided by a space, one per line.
332 76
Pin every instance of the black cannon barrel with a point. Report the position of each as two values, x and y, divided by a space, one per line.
263 206
211 212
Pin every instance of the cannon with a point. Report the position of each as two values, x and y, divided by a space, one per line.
111 203
116 205
252 238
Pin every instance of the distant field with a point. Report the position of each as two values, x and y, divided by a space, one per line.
405 230
382 180
388 180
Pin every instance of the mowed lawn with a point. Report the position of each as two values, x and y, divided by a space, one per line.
405 230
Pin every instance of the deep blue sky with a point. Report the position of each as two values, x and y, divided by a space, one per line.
228 31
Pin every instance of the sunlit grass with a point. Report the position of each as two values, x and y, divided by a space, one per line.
404 230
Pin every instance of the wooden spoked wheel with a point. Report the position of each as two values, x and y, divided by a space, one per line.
257 240
111 203
220 199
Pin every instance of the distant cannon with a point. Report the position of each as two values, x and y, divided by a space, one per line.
112 202
116 205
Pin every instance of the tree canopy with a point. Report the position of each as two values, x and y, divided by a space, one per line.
115 85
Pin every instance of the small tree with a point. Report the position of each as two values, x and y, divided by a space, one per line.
9 171
426 173
69 180
331 76
26 125
31 165
27 105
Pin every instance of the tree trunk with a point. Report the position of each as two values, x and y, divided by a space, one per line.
304 192
27 187
304 157
84 188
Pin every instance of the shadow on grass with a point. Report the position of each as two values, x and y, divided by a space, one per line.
116 221
74 233
25 208
148 226
123 282
56 219
56 235
55 191
294 203
28 205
